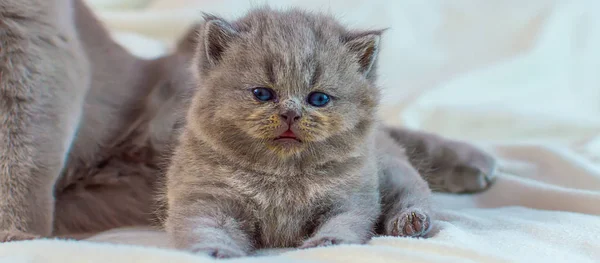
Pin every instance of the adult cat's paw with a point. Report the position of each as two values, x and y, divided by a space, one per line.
409 223
218 251
9 236
324 242
463 168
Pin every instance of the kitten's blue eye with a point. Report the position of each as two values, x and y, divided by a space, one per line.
318 99
263 94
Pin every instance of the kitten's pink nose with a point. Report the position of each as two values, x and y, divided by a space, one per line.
291 116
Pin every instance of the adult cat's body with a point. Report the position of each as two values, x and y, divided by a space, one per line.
282 146
85 124
83 121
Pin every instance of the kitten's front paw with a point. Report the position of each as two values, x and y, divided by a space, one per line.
9 236
217 251
465 169
409 223
323 242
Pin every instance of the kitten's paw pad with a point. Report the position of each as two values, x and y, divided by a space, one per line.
322 242
412 223
9 236
218 252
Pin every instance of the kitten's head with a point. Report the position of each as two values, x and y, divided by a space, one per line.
285 85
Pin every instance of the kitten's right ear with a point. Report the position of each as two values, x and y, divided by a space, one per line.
365 46
217 35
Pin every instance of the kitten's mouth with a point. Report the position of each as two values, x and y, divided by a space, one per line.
287 136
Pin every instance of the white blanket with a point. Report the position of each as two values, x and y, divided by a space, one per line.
520 78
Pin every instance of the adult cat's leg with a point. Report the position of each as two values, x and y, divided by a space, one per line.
447 165
43 80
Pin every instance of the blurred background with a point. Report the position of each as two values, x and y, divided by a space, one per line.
494 71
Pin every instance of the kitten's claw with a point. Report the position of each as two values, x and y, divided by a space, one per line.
411 223
218 252
322 242
9 236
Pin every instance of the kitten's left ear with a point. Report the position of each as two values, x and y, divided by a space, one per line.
365 46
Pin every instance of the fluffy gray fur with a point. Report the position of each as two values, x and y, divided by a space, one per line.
84 123
232 187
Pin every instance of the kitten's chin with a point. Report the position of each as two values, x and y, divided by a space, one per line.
287 141
286 147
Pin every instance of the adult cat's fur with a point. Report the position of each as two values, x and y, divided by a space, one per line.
44 79
233 187
61 73
83 122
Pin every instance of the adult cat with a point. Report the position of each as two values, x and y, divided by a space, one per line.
82 121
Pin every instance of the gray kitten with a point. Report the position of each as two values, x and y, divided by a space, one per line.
282 147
